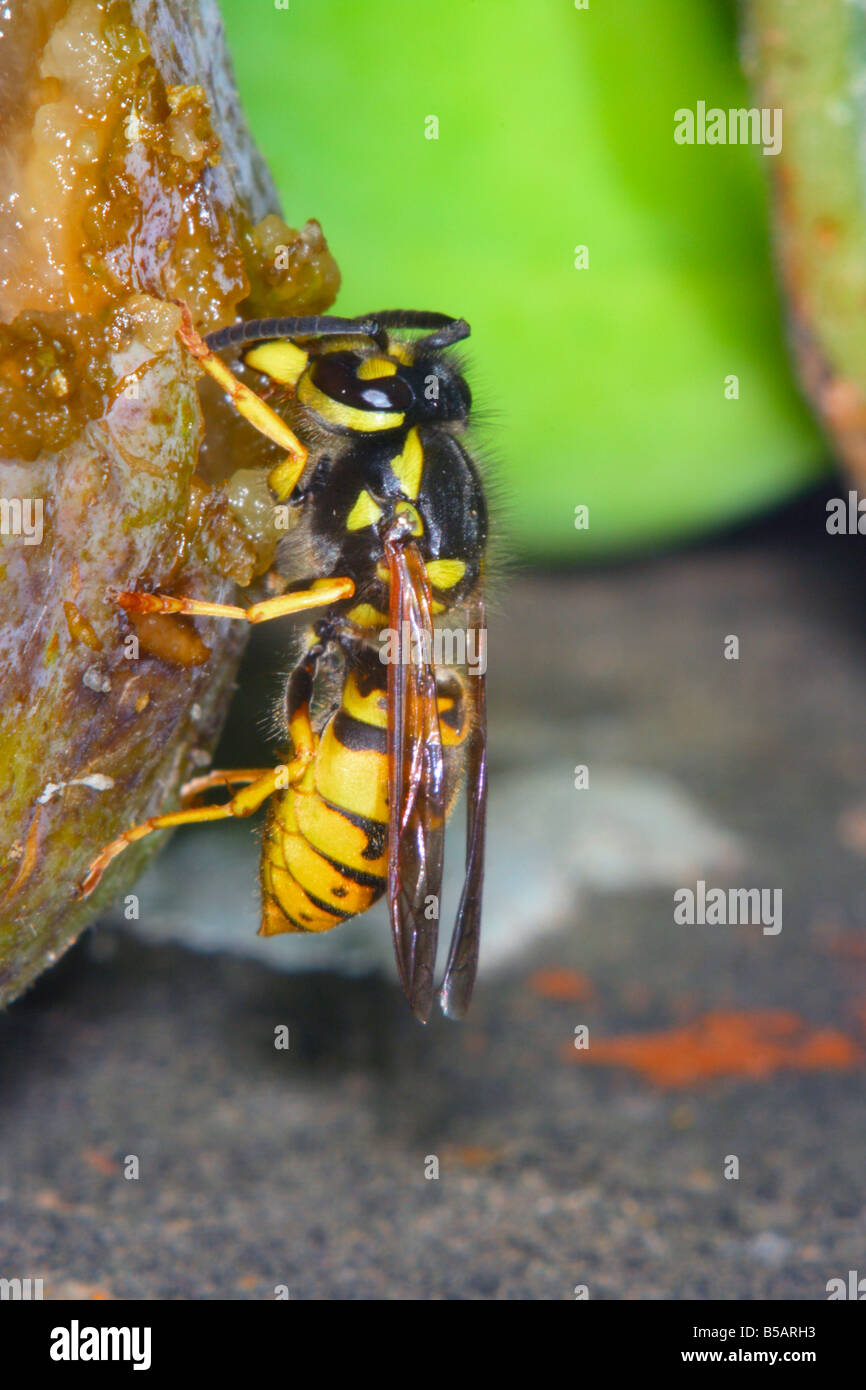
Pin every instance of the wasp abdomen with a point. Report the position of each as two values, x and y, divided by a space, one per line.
326 855
326 842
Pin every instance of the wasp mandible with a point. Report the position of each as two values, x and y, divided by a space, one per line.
394 521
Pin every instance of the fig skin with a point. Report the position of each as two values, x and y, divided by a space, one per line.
128 180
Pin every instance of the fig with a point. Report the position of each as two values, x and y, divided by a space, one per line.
128 181
806 64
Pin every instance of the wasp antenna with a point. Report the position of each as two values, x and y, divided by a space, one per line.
409 318
454 332
444 328
311 326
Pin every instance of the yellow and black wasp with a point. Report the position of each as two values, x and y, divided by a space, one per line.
393 512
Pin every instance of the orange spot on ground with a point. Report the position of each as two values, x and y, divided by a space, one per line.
850 945
720 1044
100 1162
561 983
49 1200
474 1155
74 1290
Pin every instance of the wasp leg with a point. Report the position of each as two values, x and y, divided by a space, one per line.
285 477
244 803
323 591
231 777
299 692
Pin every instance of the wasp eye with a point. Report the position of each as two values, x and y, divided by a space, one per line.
336 373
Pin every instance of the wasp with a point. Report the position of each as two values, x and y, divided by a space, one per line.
394 522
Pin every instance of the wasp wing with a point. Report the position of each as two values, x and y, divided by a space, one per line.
416 779
463 956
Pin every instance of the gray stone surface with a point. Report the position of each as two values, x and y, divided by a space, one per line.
307 1167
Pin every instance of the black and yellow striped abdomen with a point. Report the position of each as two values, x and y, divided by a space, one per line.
325 854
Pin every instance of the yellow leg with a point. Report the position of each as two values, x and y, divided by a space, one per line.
285 477
233 777
323 591
243 803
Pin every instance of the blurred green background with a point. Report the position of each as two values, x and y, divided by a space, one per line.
604 386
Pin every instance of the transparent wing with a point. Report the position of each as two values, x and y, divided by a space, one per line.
416 779
463 956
